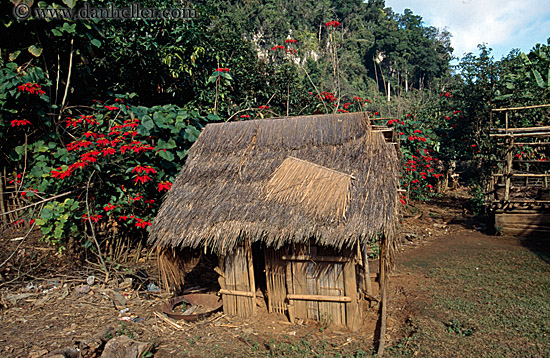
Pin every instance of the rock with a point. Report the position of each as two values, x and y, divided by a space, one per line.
82 289
124 347
119 299
38 354
127 283
90 280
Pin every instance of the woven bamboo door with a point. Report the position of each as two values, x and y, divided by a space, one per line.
276 280
322 288
237 284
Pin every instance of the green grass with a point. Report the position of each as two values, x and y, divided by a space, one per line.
490 303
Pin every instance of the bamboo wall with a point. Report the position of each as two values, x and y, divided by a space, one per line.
306 282
237 282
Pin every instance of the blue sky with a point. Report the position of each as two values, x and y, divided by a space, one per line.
501 24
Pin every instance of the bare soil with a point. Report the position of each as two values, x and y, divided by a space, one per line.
46 307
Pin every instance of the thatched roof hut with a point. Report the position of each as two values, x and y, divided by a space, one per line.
239 179
329 180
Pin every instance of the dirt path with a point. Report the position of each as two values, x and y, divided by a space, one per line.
455 292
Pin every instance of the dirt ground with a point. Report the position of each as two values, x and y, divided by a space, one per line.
47 308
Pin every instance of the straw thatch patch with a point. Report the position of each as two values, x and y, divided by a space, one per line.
231 187
321 191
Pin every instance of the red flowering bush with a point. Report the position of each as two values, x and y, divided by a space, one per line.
116 161
419 164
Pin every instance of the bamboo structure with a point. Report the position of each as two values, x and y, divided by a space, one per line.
302 196
518 194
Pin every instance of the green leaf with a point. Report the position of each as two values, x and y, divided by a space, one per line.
191 134
213 117
67 28
166 155
13 55
35 50
70 3
46 214
538 78
96 43
147 123
226 75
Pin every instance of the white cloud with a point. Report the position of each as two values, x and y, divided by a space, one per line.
502 24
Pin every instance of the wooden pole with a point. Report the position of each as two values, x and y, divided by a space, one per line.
368 282
350 290
383 296
508 168
289 290
525 107
251 280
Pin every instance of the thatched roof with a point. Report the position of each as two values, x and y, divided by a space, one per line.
326 177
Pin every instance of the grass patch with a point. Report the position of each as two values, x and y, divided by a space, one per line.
494 300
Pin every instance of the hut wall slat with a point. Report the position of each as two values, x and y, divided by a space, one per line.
276 280
251 282
339 283
229 301
350 290
300 283
312 288
290 289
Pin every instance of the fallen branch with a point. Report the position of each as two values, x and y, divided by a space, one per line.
37 203
169 321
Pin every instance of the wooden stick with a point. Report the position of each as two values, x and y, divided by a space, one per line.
37 203
289 289
319 298
251 281
169 321
524 107
368 282
314 258
236 293
521 135
523 175
522 129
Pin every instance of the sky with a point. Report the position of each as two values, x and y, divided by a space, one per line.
501 24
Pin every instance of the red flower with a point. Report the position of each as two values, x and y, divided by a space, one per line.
142 178
142 223
164 185
279 47
123 218
109 207
112 108
147 169
222 70
32 88
108 151
137 198
417 131
20 122
245 116
332 23
291 41
263 107
92 217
